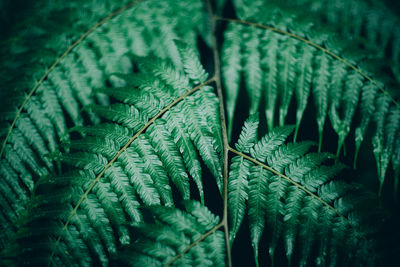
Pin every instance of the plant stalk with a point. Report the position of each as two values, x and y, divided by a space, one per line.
217 76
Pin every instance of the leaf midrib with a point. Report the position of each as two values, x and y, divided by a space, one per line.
283 176
55 64
98 177
98 24
317 46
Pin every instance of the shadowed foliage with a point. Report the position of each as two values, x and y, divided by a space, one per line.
189 133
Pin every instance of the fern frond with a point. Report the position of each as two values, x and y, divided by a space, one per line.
174 120
170 156
115 146
143 163
166 241
341 85
232 67
360 21
79 59
270 79
252 67
303 91
294 194
367 108
191 63
349 98
320 92
153 167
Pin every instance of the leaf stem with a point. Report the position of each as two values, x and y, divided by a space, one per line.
317 46
195 243
52 67
292 182
83 197
297 185
217 75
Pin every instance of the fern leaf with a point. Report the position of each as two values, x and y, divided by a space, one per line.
143 183
119 182
266 146
98 220
154 167
137 170
107 131
45 127
109 126
65 96
321 91
356 20
326 65
174 119
286 82
207 105
170 156
350 97
126 115
53 86
270 77
52 108
367 108
391 132
290 193
106 147
248 136
21 147
238 193
191 63
175 229
238 186
203 139
379 138
257 202
17 163
109 200
231 69
33 137
303 85
252 67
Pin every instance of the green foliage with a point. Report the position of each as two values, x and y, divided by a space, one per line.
295 209
147 165
338 85
57 102
175 230
114 149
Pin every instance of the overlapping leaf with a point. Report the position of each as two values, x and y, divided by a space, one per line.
296 202
120 171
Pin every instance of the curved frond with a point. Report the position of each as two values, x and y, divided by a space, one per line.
53 77
299 59
178 238
291 191
119 147
135 159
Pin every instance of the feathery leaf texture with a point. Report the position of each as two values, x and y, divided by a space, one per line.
297 204
304 67
361 21
55 106
118 175
174 230
113 138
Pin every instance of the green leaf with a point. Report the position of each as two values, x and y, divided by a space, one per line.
231 69
289 190
173 230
